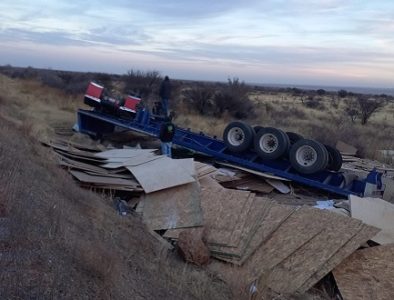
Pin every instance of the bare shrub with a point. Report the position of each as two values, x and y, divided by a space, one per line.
314 103
199 98
233 98
141 83
367 107
363 107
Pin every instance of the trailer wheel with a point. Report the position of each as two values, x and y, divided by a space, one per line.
308 156
257 128
271 143
294 137
238 136
334 158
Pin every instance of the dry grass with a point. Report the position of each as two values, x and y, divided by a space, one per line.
69 243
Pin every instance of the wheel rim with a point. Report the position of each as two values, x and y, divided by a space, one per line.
306 156
236 136
268 143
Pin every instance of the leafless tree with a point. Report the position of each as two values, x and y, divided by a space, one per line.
368 106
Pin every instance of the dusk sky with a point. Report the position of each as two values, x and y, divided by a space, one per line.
326 42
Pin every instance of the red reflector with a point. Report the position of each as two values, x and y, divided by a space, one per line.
94 90
131 102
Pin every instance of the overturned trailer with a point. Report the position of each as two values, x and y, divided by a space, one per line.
262 149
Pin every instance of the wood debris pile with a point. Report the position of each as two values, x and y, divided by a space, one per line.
284 248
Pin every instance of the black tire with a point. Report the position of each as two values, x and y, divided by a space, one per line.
271 143
238 136
308 156
294 137
256 128
334 158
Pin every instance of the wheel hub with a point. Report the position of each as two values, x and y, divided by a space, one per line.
306 156
236 136
269 143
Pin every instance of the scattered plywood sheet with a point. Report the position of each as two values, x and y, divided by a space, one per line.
363 235
257 212
176 207
223 210
103 180
96 160
278 185
122 153
375 212
292 272
67 162
367 274
265 175
346 148
160 174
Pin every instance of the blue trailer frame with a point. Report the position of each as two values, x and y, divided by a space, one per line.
94 122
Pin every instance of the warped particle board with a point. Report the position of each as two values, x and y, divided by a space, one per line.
122 153
367 274
176 207
278 185
364 234
375 212
160 174
265 175
103 180
139 159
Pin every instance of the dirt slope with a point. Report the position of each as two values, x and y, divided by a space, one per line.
58 241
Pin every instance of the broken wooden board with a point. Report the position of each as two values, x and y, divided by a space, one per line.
160 174
176 207
265 175
346 149
367 274
375 212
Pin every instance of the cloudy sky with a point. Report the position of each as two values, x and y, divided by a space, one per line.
326 42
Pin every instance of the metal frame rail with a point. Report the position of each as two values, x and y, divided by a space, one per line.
95 123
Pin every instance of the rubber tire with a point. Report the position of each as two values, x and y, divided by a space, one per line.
248 136
256 128
283 143
294 137
334 159
321 161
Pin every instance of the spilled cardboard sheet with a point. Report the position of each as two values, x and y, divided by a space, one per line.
265 175
83 177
